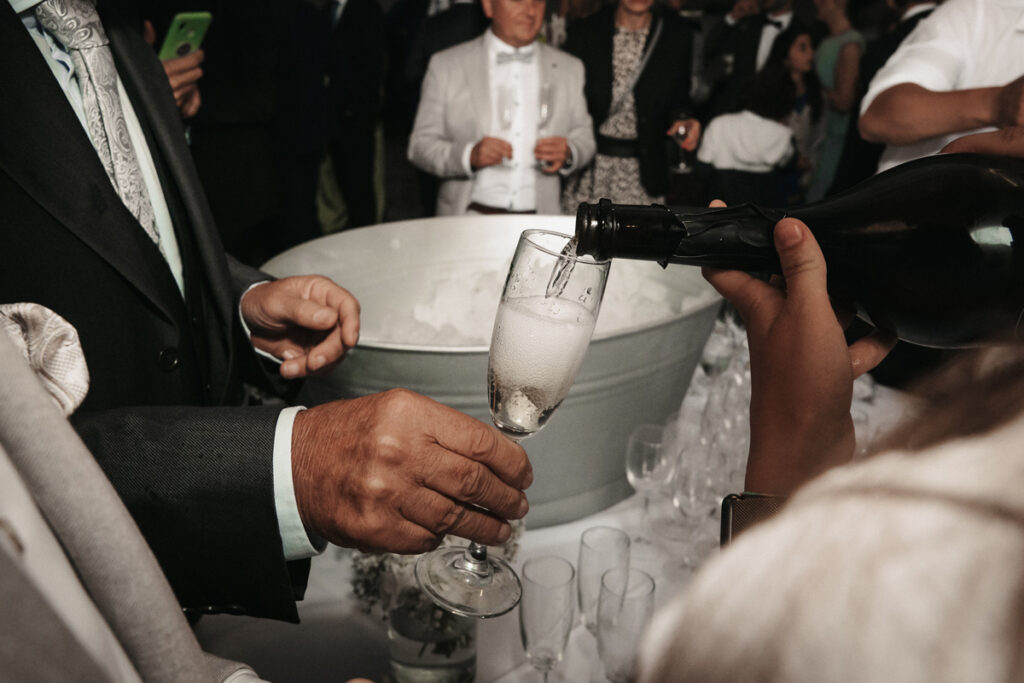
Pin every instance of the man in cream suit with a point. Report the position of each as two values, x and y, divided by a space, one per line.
501 117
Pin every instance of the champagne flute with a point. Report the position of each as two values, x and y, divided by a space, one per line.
506 115
545 109
546 612
545 318
623 610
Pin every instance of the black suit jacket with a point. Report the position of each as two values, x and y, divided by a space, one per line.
662 93
737 43
859 160
163 414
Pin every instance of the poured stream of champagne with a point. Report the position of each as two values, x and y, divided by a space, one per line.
562 271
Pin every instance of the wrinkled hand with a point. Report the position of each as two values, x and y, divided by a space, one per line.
397 471
692 139
802 370
184 73
551 153
308 321
488 152
1010 104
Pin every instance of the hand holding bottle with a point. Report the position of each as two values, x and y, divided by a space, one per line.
801 366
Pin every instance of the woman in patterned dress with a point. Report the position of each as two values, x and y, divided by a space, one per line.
634 113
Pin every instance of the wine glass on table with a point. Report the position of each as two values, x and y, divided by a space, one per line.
647 467
546 613
545 318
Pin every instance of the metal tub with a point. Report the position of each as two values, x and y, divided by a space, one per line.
633 373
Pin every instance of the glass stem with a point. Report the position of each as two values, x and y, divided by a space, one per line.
474 560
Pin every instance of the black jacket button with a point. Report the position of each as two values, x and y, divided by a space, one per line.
169 360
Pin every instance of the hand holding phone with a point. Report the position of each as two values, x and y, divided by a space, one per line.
181 58
185 34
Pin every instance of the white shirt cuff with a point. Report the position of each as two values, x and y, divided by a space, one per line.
297 543
245 328
573 156
466 166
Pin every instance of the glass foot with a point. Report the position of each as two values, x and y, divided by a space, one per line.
466 586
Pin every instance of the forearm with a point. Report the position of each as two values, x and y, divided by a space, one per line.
908 113
787 451
199 483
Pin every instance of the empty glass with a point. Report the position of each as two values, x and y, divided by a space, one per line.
601 548
624 609
647 466
546 611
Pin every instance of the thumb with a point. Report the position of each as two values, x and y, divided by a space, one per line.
803 265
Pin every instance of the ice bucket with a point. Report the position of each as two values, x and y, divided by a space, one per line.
404 274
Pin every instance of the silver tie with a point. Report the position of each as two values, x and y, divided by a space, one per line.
76 25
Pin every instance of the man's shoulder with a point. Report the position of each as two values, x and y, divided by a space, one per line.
560 57
460 52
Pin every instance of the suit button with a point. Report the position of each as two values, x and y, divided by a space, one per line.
169 360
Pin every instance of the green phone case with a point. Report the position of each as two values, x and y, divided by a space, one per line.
185 34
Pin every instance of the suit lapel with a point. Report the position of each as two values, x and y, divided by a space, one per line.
152 98
477 75
43 143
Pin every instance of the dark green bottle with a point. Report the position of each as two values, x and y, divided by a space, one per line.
930 250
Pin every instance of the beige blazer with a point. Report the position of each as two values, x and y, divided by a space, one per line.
455 111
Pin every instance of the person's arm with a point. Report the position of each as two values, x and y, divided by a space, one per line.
844 95
432 147
908 113
581 128
198 481
802 370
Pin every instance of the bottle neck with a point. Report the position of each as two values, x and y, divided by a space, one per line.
733 237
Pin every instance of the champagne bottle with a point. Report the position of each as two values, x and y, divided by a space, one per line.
929 250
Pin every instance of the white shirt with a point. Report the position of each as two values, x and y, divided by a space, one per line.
745 141
515 86
295 541
963 44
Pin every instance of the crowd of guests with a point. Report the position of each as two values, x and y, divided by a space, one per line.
638 100
114 268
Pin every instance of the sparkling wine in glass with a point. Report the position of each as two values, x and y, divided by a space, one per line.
547 312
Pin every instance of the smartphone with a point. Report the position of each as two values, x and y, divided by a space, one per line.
185 35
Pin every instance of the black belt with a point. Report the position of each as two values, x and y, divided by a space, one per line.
617 147
489 210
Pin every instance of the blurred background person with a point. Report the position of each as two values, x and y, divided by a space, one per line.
480 123
793 51
463 21
859 158
637 56
837 62
737 46
744 150
958 72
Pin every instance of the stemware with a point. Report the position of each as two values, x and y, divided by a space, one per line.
546 611
545 318
601 548
545 109
647 466
506 115
624 608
